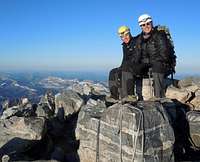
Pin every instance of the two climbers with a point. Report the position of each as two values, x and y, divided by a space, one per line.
149 50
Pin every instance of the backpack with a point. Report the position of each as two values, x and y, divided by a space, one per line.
172 57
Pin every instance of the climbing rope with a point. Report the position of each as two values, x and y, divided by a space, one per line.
138 131
120 131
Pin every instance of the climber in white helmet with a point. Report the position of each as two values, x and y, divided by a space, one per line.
155 53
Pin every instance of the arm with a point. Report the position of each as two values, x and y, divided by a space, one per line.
123 57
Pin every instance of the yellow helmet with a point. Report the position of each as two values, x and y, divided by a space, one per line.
123 30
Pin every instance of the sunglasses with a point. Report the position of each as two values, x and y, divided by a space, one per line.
123 35
146 24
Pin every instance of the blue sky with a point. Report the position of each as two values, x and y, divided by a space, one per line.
81 35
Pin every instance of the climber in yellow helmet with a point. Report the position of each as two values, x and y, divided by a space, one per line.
122 80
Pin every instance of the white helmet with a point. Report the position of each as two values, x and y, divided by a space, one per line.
145 18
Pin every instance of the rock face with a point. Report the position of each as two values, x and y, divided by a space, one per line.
189 81
193 118
187 91
126 132
70 101
196 102
18 133
192 86
80 125
19 110
88 87
10 112
147 88
46 106
181 95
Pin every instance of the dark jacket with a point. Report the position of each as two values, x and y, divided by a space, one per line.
131 61
154 51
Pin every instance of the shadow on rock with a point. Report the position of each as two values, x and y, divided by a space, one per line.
62 132
22 149
184 148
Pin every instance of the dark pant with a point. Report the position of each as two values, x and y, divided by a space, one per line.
114 82
122 83
159 84
138 83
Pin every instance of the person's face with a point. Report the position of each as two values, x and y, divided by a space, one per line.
126 37
147 27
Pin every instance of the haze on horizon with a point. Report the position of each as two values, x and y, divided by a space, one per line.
81 35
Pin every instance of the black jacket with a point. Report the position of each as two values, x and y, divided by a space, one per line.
154 51
131 61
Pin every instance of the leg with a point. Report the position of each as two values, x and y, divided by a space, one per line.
127 84
139 88
113 83
159 85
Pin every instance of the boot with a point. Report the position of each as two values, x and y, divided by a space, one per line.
129 98
111 99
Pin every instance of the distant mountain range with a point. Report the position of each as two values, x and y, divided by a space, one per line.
14 86
32 85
